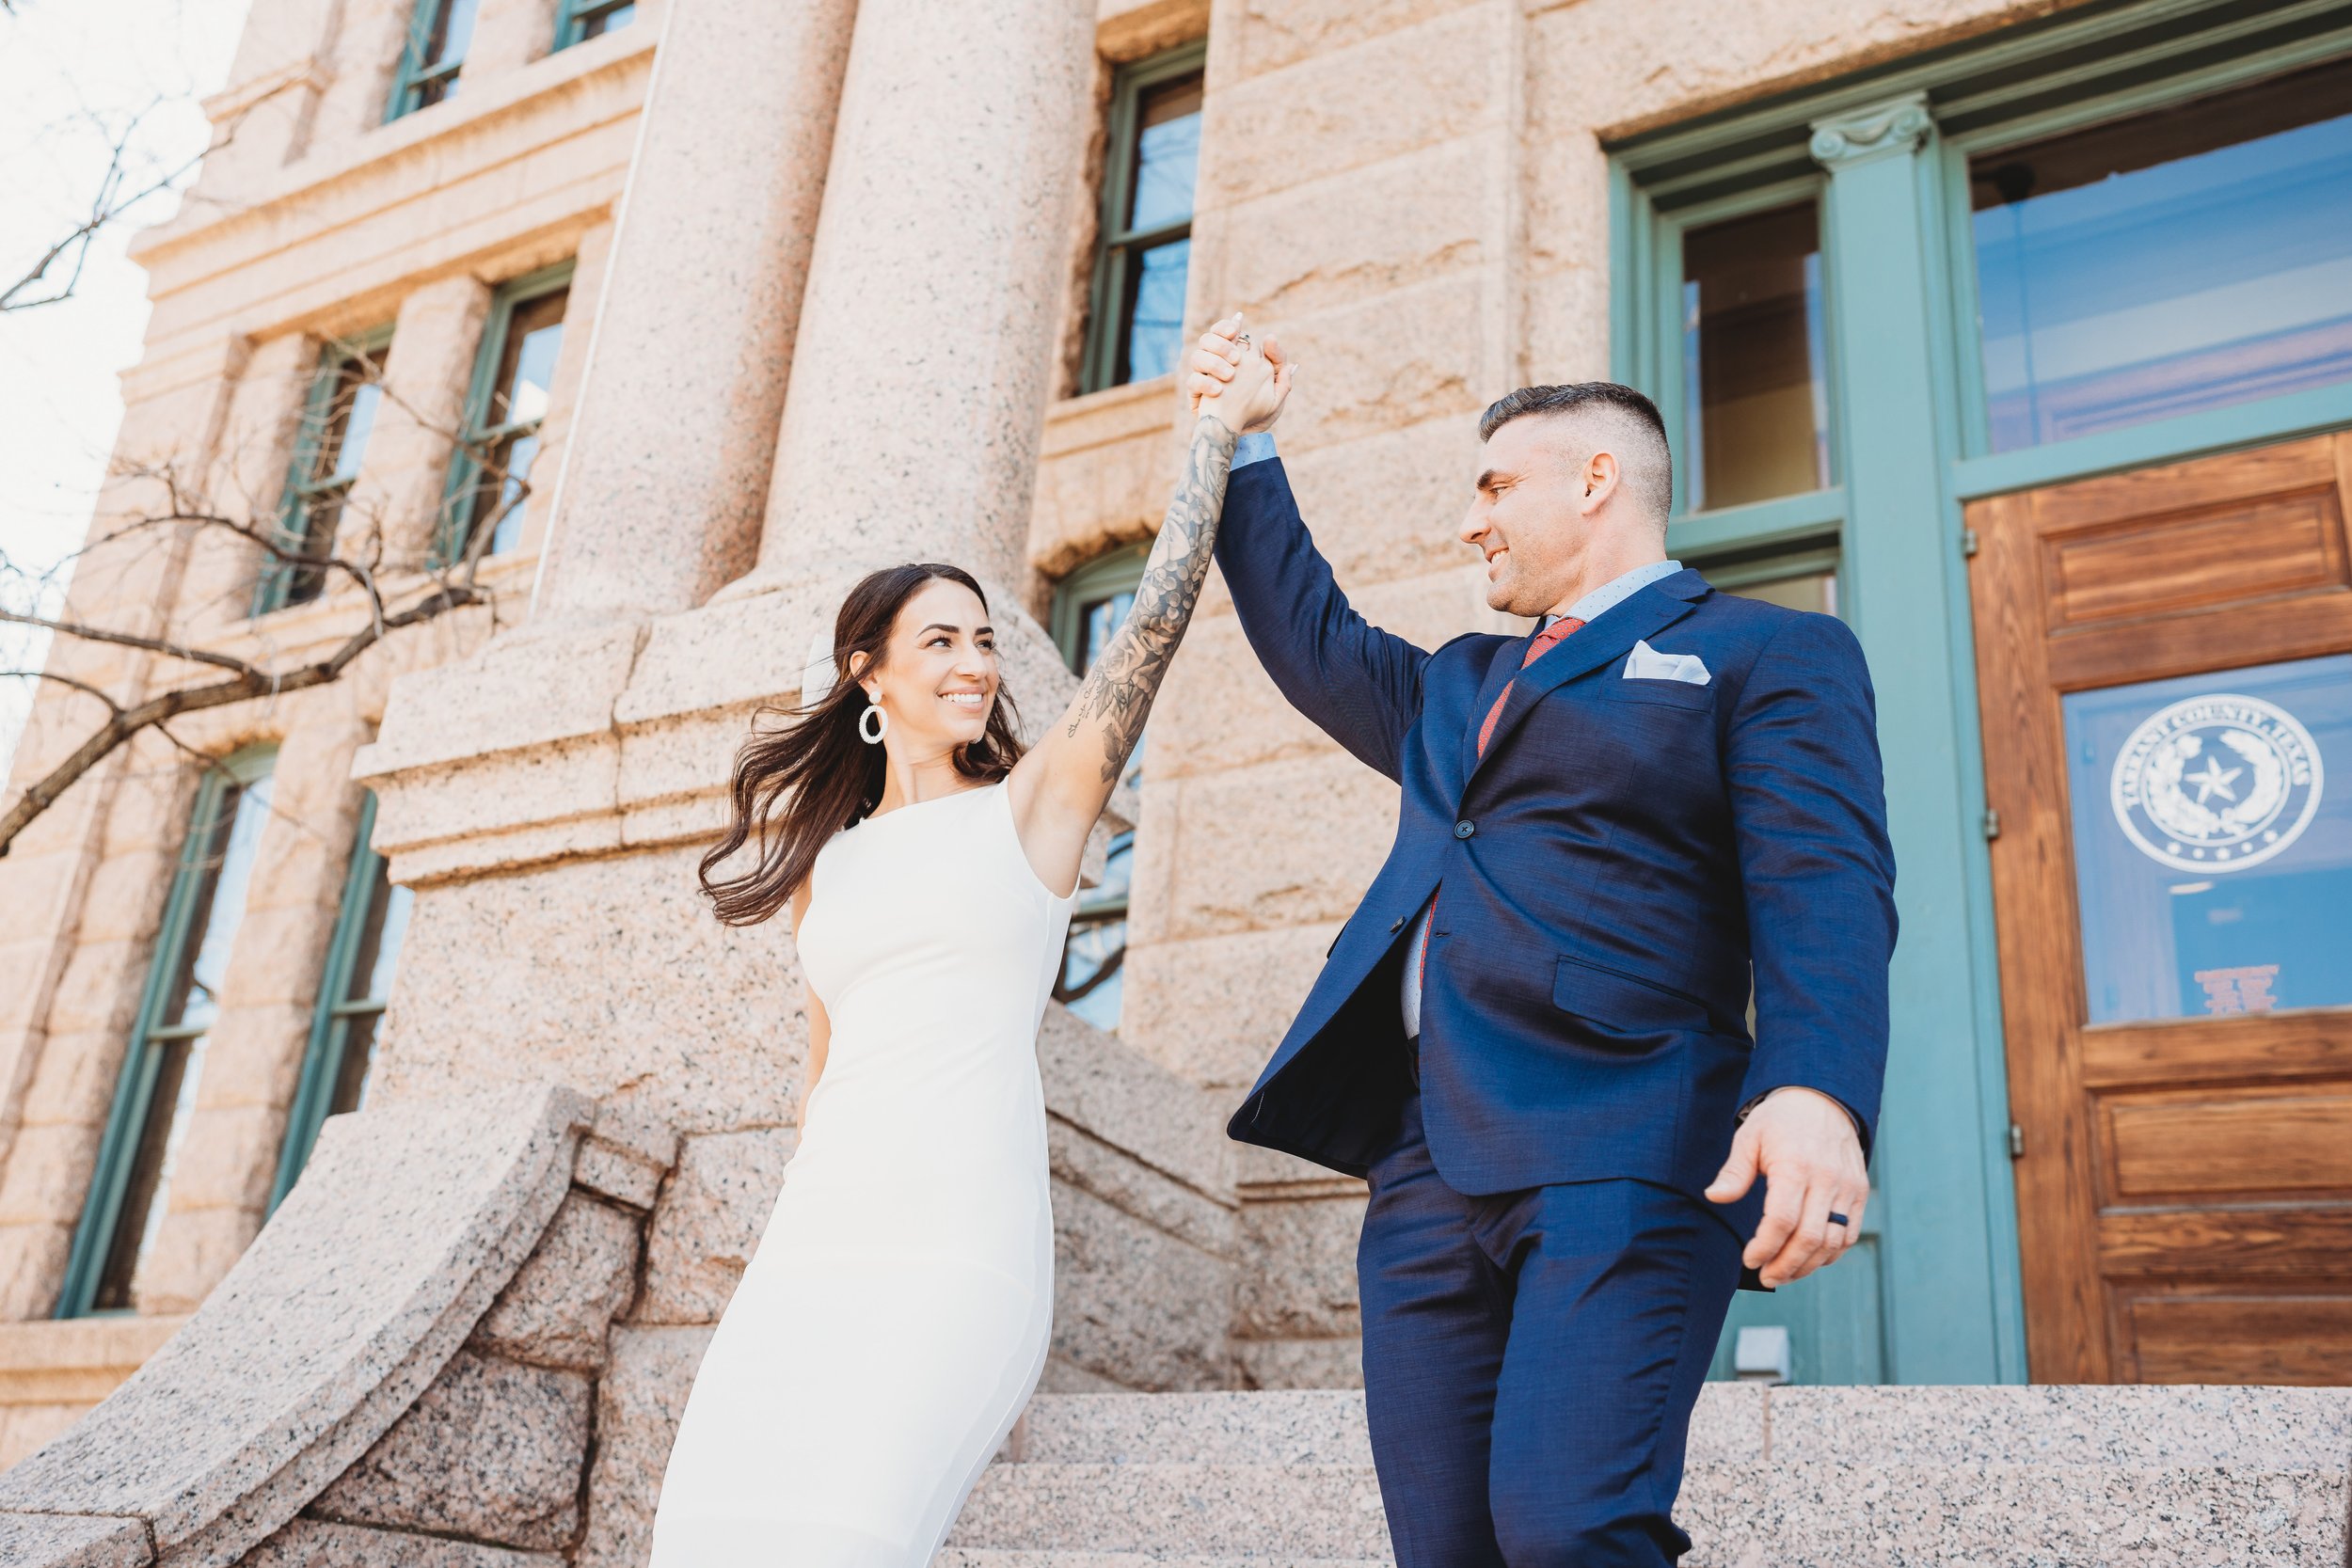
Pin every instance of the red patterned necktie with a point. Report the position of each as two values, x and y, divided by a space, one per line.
1538 645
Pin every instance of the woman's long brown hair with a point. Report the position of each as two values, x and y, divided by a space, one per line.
803 781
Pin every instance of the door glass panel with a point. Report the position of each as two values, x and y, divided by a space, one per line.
1752 389
1812 587
2213 840
2186 259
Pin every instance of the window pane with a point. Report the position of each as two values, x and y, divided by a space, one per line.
2212 858
1168 152
356 1065
318 519
1814 589
1091 964
225 848
597 24
1156 310
148 1192
501 496
349 424
526 361
195 997
2181 261
378 955
1753 356
450 34
1102 618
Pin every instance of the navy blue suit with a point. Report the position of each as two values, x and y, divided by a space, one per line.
1542 1283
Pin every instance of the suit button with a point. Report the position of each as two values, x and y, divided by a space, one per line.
1465 827
1397 925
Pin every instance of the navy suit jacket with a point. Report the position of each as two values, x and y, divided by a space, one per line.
1622 860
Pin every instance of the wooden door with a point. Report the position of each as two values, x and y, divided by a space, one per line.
2165 660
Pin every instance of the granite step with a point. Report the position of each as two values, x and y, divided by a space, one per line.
1786 1479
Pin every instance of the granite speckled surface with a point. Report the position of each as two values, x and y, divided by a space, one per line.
665 480
494 1450
320 1544
639 1401
912 426
2006 1477
580 1277
709 1222
74 1541
2276 1428
405 1227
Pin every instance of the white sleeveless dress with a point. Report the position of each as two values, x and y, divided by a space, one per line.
894 1320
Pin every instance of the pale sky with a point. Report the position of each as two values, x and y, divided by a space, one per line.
73 72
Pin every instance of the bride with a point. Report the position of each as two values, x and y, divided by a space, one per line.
894 1320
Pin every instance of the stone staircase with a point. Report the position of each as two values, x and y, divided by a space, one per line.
1784 1477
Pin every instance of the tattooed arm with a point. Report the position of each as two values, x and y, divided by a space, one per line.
1059 789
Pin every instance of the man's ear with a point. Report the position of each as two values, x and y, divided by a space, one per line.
1601 476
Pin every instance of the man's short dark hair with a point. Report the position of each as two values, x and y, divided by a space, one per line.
1618 404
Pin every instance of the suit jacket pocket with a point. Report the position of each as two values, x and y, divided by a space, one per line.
1622 1002
1661 693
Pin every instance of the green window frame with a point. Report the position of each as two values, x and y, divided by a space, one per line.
441 32
1886 153
1097 941
489 427
1117 246
346 1024
164 1063
338 415
582 20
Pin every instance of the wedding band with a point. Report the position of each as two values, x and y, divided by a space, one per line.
1836 1218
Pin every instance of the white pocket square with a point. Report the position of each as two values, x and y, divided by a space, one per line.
1646 663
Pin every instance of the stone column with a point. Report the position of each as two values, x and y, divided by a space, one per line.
426 370
665 478
919 385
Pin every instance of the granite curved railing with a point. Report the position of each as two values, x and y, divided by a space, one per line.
359 1293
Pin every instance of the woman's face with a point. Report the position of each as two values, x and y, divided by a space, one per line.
937 677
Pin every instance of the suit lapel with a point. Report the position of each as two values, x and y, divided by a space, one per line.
1606 641
1504 665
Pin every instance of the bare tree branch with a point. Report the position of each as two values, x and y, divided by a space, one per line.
448 584
251 682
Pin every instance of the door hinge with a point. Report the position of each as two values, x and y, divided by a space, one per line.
2016 1141
1992 823
1967 541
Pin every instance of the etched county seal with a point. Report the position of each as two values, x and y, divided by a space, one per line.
2216 783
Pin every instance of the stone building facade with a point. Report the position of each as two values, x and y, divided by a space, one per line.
766 295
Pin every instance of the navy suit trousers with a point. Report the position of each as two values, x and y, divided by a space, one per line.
1531 1359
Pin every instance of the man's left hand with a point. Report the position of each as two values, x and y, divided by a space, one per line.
1804 1144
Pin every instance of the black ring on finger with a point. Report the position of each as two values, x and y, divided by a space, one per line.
1836 1218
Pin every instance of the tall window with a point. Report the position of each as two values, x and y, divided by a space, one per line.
155 1096
489 477
582 20
2185 259
336 420
1087 609
358 983
1754 394
1135 326
439 32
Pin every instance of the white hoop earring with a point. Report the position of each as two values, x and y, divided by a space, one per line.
881 726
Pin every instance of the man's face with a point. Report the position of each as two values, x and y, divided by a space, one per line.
1528 517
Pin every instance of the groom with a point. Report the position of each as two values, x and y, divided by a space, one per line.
1531 1037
